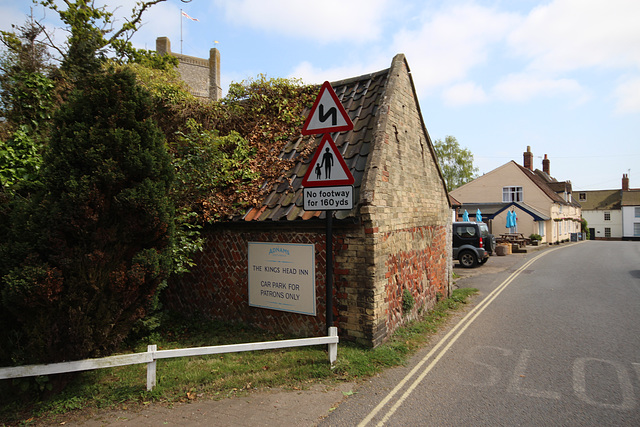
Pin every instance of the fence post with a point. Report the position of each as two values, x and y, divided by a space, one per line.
151 368
333 348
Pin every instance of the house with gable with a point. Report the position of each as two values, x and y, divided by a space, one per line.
612 214
391 251
542 204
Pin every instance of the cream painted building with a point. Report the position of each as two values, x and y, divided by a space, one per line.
542 204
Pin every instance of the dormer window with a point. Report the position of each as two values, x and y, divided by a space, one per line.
582 197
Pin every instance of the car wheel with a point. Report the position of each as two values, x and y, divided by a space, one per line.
468 259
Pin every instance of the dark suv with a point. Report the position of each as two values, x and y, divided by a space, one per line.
472 243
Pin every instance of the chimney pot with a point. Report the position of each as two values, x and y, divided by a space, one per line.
528 159
545 165
625 182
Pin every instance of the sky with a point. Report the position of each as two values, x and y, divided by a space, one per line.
560 76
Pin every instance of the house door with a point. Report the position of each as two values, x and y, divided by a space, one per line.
592 234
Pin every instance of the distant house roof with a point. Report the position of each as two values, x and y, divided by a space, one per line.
550 186
491 210
361 98
601 200
631 197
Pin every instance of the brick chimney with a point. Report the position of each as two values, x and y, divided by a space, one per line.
545 165
528 159
625 182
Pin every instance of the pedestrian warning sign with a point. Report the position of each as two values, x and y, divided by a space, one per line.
327 168
327 114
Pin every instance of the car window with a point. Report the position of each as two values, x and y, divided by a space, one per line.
466 232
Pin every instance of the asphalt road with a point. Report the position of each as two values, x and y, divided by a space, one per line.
552 340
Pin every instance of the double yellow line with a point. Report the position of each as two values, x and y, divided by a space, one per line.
440 349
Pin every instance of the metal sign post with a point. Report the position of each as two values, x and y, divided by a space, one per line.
328 179
329 269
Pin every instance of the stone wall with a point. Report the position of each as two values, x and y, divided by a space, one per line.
406 215
202 75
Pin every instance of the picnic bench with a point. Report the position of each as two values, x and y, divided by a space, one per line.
514 238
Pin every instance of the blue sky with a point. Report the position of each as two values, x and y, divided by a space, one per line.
561 76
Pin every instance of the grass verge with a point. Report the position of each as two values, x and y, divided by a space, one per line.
220 376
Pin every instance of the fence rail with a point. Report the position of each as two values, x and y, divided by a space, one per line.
153 354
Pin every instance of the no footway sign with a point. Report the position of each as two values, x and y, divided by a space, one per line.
328 198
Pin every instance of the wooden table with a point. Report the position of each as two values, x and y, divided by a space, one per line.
514 238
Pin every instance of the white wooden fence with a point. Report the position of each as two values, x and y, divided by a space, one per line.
153 354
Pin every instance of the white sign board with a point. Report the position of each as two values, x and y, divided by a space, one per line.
328 198
282 277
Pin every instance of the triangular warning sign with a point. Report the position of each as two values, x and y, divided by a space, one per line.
327 114
327 168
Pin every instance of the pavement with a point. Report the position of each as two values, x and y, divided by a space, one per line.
270 407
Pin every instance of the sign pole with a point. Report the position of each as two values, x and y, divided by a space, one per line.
330 187
329 269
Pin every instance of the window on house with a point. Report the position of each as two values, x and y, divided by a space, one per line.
511 194
607 232
541 228
637 210
636 229
582 197
607 216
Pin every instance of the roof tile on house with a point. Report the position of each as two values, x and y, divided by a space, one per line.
550 186
601 200
361 98
631 197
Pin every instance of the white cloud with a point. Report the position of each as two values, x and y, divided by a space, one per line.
324 21
314 75
566 35
628 96
464 94
524 87
451 42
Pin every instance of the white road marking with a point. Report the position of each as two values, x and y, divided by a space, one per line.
519 375
580 384
436 350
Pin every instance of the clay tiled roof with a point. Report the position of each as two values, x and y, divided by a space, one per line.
601 200
631 197
543 185
361 98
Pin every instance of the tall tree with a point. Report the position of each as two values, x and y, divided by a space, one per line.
455 162
82 258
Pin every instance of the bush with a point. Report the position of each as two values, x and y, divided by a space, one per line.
83 259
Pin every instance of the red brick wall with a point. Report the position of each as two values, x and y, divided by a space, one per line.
423 272
217 288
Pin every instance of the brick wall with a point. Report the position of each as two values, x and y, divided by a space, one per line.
217 288
406 215
400 240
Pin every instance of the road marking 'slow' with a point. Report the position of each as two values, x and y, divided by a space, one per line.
457 330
